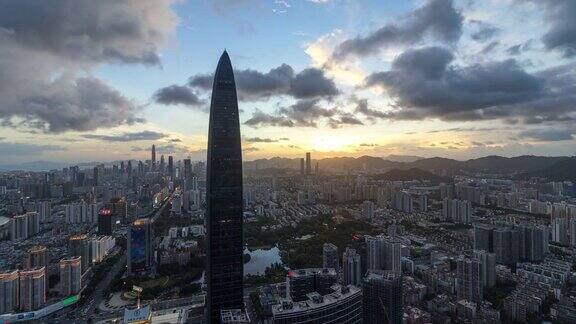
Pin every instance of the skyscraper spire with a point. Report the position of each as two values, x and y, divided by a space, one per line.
224 197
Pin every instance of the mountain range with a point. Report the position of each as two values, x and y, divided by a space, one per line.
526 166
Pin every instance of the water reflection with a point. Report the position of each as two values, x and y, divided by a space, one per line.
260 259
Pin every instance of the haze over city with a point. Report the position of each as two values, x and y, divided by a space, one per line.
457 79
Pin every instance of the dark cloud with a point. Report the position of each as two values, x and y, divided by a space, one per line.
175 140
518 49
344 120
128 137
303 113
312 83
177 95
254 85
483 31
260 118
116 31
362 108
368 145
426 84
49 48
561 33
436 18
64 104
548 135
250 149
489 48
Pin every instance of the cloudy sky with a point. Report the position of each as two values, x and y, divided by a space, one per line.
85 80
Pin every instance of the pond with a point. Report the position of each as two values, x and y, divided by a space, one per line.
260 259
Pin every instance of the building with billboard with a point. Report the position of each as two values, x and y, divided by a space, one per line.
140 246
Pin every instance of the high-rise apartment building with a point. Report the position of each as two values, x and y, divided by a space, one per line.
352 266
35 257
9 291
79 246
384 253
469 281
70 276
32 288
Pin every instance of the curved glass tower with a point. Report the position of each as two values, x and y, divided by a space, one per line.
224 197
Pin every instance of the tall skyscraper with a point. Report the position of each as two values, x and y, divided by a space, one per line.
224 196
153 161
308 164
382 297
330 256
171 166
302 167
140 246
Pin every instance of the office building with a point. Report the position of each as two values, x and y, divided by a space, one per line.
342 305
302 167
106 222
140 246
330 256
153 160
171 166
382 297
308 164
9 291
32 289
224 255
304 281
70 276
352 266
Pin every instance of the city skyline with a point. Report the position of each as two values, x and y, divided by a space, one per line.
123 92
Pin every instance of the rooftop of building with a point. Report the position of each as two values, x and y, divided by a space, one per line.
311 271
315 300
234 316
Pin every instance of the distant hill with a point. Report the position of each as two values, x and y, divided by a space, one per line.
411 174
489 164
499 164
563 170
403 158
